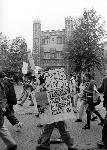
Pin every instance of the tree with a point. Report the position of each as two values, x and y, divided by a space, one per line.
17 54
4 47
85 47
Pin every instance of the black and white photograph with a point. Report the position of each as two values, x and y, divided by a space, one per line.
53 74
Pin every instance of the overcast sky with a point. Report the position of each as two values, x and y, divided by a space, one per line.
16 16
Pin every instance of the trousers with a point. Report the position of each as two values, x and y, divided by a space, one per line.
5 134
26 93
89 110
82 107
11 116
44 139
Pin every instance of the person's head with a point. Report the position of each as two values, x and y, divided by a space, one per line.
2 75
29 74
47 68
71 75
105 75
87 77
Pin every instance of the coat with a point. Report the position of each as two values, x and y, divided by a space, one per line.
89 88
10 93
103 89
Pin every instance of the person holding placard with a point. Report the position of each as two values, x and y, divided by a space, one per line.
44 140
4 133
47 131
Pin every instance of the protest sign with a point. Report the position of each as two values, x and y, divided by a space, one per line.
59 106
24 68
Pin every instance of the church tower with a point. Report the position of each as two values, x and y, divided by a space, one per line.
36 41
68 27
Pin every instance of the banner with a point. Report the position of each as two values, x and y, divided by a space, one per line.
55 102
24 68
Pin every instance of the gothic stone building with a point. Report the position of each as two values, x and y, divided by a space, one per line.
48 46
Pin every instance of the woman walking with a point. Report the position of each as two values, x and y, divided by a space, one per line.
27 89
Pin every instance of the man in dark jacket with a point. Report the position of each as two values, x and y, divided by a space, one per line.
4 133
11 101
88 93
103 89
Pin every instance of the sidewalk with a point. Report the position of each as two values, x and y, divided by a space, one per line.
83 139
27 138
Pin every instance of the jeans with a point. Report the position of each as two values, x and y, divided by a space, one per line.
44 139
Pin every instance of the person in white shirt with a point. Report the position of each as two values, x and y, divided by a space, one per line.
79 95
72 86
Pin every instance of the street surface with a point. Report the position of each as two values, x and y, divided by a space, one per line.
27 138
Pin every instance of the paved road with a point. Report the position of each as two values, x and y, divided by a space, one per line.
27 138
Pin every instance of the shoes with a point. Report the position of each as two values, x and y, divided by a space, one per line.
39 125
31 105
42 148
101 145
20 99
18 127
75 111
12 148
37 115
101 123
86 127
78 120
20 104
72 148
94 118
56 141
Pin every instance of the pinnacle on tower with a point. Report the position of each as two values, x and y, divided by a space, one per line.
68 27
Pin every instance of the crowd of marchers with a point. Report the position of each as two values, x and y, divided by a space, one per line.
82 88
